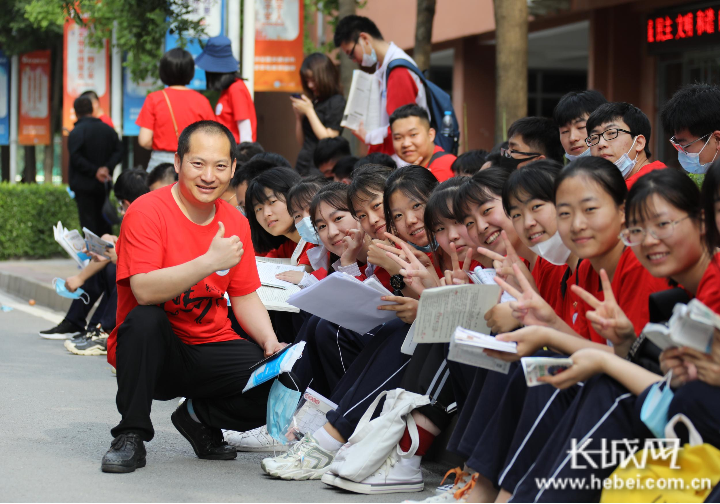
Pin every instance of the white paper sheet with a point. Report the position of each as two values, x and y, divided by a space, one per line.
343 300
467 347
363 102
267 272
442 309
276 299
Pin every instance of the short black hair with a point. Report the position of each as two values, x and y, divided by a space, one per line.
162 172
410 110
599 170
250 148
279 181
256 165
131 184
470 162
210 127
90 94
635 118
344 167
536 181
576 104
329 149
350 27
367 181
376 158
302 194
177 67
541 134
695 107
83 106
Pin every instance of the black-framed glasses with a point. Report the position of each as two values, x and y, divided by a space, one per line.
509 153
608 134
683 148
636 235
352 51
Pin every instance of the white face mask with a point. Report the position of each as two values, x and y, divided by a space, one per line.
625 164
307 231
572 157
369 60
553 250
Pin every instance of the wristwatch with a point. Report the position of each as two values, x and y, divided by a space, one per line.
398 284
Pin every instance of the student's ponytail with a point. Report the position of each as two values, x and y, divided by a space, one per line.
599 170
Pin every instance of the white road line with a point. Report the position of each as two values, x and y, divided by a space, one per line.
23 306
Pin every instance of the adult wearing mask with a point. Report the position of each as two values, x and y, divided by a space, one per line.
319 111
166 113
235 108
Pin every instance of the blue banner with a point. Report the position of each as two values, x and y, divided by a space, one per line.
212 14
133 99
4 99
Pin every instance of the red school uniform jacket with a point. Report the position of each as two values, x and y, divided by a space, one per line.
401 90
155 235
708 291
285 251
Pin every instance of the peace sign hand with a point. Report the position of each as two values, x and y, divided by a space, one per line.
411 267
607 318
458 275
529 308
504 264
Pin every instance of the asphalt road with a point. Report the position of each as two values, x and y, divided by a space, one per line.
56 411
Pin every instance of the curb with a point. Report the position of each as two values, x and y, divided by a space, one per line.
27 288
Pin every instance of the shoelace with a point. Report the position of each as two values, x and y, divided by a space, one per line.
459 475
122 440
466 489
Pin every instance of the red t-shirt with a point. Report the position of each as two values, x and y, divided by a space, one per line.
106 119
632 285
708 291
548 279
155 234
235 104
655 165
401 90
440 167
188 106
567 306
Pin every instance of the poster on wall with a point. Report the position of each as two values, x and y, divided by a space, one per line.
34 98
133 99
4 99
86 68
211 13
278 45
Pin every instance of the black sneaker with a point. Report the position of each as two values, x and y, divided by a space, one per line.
95 344
126 453
84 336
208 443
63 330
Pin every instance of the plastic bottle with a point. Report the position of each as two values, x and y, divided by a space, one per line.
447 124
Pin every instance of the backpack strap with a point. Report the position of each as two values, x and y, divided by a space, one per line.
437 155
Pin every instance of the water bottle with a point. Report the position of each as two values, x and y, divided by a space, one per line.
447 124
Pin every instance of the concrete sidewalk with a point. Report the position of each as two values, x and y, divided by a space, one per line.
32 279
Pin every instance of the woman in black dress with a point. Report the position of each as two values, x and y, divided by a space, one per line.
318 111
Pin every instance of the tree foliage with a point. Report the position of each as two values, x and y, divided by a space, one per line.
19 35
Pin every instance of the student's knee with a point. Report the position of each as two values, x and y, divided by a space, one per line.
144 321
691 398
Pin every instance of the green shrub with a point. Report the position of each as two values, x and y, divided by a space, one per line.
27 215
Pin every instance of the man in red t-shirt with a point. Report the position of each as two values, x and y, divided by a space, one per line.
620 132
359 38
181 248
413 142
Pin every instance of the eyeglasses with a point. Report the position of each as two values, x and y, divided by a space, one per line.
352 51
608 134
508 153
683 148
636 235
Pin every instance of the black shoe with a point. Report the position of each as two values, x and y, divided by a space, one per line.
63 330
126 453
208 443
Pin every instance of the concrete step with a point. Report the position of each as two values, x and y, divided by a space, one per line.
33 280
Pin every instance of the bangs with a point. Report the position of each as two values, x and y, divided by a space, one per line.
640 208
362 196
256 194
471 193
301 196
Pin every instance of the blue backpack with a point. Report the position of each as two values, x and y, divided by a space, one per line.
439 103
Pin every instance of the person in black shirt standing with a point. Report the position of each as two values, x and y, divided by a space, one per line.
94 149
320 110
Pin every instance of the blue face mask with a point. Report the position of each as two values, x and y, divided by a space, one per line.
430 247
691 161
307 231
625 164
242 209
60 288
281 406
654 411
572 157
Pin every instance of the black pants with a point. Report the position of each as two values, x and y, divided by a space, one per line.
100 284
90 206
153 363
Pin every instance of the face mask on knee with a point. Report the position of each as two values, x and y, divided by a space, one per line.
61 289
281 405
654 411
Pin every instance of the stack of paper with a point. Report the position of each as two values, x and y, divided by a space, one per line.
346 301
468 347
363 104
486 276
275 299
442 309
535 367
72 243
267 271
692 325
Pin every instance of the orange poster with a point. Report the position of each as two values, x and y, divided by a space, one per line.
34 117
278 45
85 68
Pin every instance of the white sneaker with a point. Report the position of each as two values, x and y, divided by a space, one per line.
447 493
395 475
256 440
304 460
